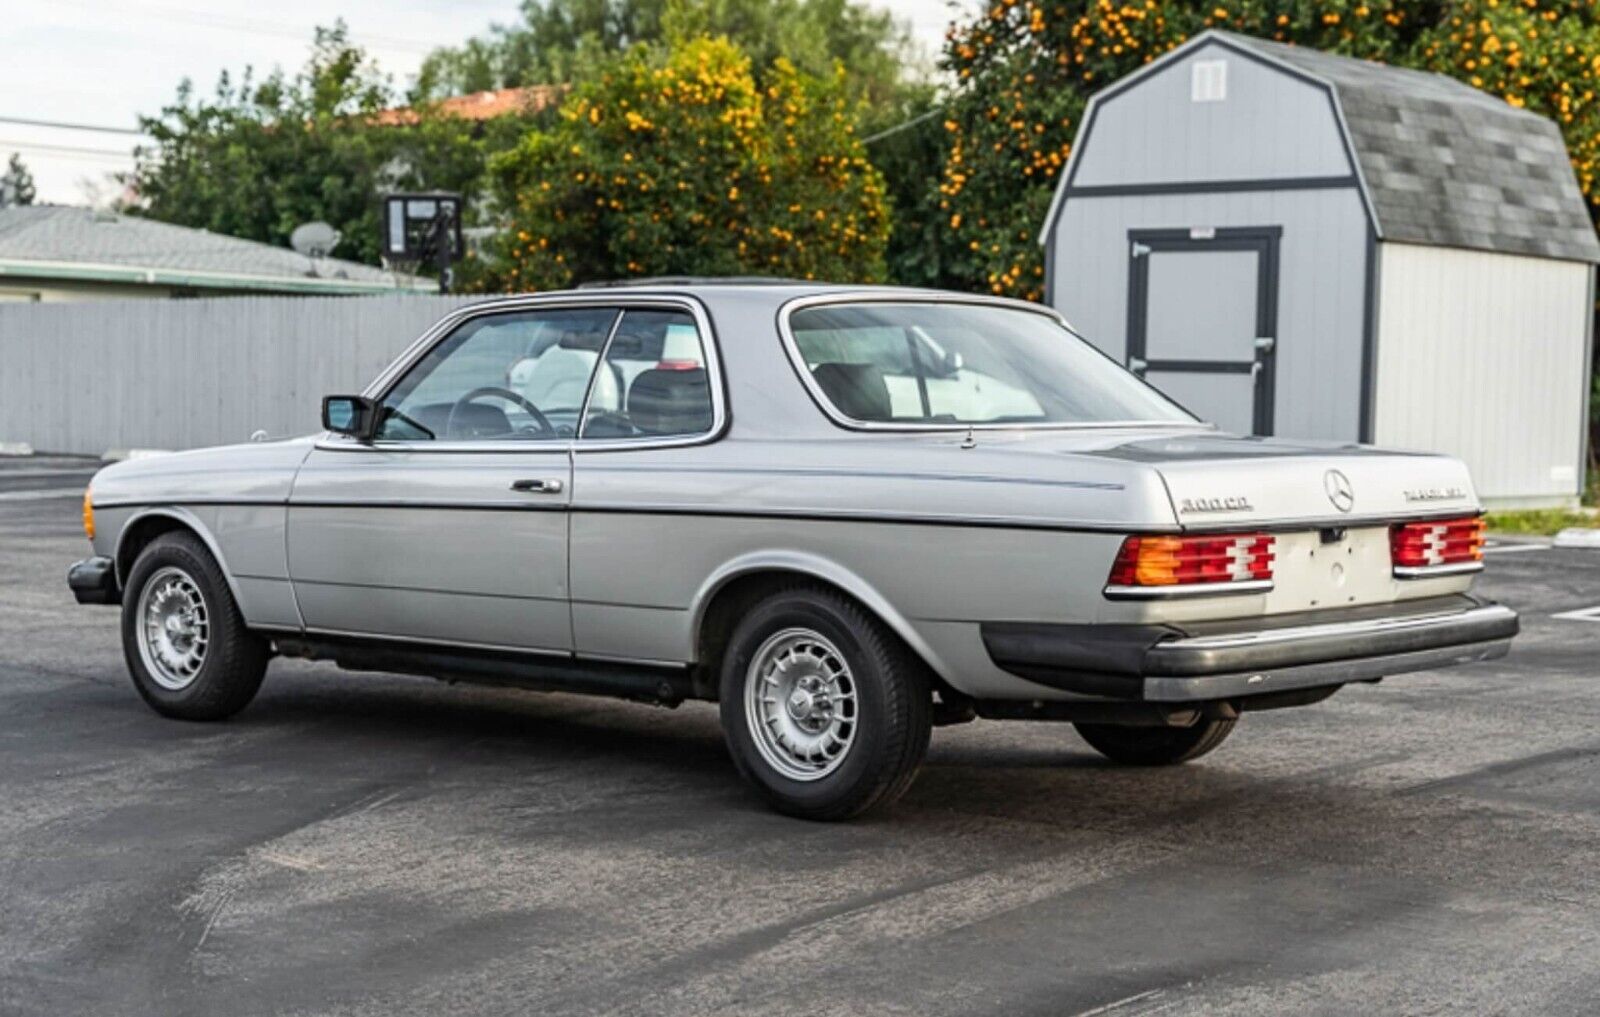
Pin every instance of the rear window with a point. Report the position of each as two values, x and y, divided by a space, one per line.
965 364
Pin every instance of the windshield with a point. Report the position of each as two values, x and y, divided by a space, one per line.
953 364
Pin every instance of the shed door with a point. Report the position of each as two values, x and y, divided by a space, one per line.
1202 320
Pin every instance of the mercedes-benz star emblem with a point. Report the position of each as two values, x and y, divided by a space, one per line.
1339 491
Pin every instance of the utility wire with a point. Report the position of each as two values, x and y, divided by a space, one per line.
33 146
65 125
907 125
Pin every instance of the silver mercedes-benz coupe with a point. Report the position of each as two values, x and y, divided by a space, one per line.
847 515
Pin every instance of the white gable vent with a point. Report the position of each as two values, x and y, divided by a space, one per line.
1208 81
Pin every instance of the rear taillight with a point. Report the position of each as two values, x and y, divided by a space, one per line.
1172 566
1438 547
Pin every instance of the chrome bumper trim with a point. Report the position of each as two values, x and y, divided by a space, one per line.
1459 568
1188 590
1353 629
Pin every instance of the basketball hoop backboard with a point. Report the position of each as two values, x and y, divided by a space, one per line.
411 222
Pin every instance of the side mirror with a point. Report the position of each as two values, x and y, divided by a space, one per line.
356 416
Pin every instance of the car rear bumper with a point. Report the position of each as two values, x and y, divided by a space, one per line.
1201 661
94 581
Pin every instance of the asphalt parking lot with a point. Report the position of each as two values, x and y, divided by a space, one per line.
358 844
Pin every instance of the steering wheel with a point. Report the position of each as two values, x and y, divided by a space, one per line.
504 393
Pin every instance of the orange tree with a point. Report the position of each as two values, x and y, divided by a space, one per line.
679 159
1540 54
1024 70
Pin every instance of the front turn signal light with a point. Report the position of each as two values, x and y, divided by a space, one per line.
88 512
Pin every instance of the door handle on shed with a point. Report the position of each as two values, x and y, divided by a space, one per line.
537 486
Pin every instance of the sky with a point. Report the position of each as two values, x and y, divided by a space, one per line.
105 62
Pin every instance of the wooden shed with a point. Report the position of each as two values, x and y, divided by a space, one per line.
1294 243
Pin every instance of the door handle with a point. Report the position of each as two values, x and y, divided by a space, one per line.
537 486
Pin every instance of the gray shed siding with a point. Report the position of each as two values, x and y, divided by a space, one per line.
1151 132
1321 287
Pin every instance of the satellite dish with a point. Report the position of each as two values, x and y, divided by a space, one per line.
315 239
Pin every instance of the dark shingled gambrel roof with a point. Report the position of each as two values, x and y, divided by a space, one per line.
1448 165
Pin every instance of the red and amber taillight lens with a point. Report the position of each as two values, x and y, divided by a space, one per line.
1438 546
1151 566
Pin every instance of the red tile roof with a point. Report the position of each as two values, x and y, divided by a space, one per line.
481 105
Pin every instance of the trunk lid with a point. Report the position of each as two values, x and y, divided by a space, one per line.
1223 482
1328 505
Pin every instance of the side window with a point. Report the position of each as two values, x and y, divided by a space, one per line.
654 381
504 377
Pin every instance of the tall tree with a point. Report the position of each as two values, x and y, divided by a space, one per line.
16 183
676 159
557 40
258 158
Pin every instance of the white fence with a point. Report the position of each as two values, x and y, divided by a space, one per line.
85 378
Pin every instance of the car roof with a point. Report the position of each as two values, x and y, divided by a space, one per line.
749 290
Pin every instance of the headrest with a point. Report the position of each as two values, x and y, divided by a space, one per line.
856 390
670 402
574 340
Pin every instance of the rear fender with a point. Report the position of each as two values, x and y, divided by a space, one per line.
815 566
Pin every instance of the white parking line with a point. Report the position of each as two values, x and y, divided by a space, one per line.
1588 614
1514 548
6 474
44 495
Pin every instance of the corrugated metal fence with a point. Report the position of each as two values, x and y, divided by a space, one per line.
84 378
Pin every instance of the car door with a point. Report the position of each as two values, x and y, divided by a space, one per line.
635 568
451 526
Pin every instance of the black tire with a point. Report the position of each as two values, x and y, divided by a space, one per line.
892 716
1155 746
234 659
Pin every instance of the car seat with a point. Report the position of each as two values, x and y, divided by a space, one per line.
668 401
856 390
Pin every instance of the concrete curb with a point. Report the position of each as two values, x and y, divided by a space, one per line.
117 455
1576 536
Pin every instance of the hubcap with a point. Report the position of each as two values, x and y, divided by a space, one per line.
174 628
800 702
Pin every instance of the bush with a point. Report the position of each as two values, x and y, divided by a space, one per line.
676 160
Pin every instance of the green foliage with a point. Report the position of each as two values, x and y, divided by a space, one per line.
676 159
1539 521
258 159
559 41
16 183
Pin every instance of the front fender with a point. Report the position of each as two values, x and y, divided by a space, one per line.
124 554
